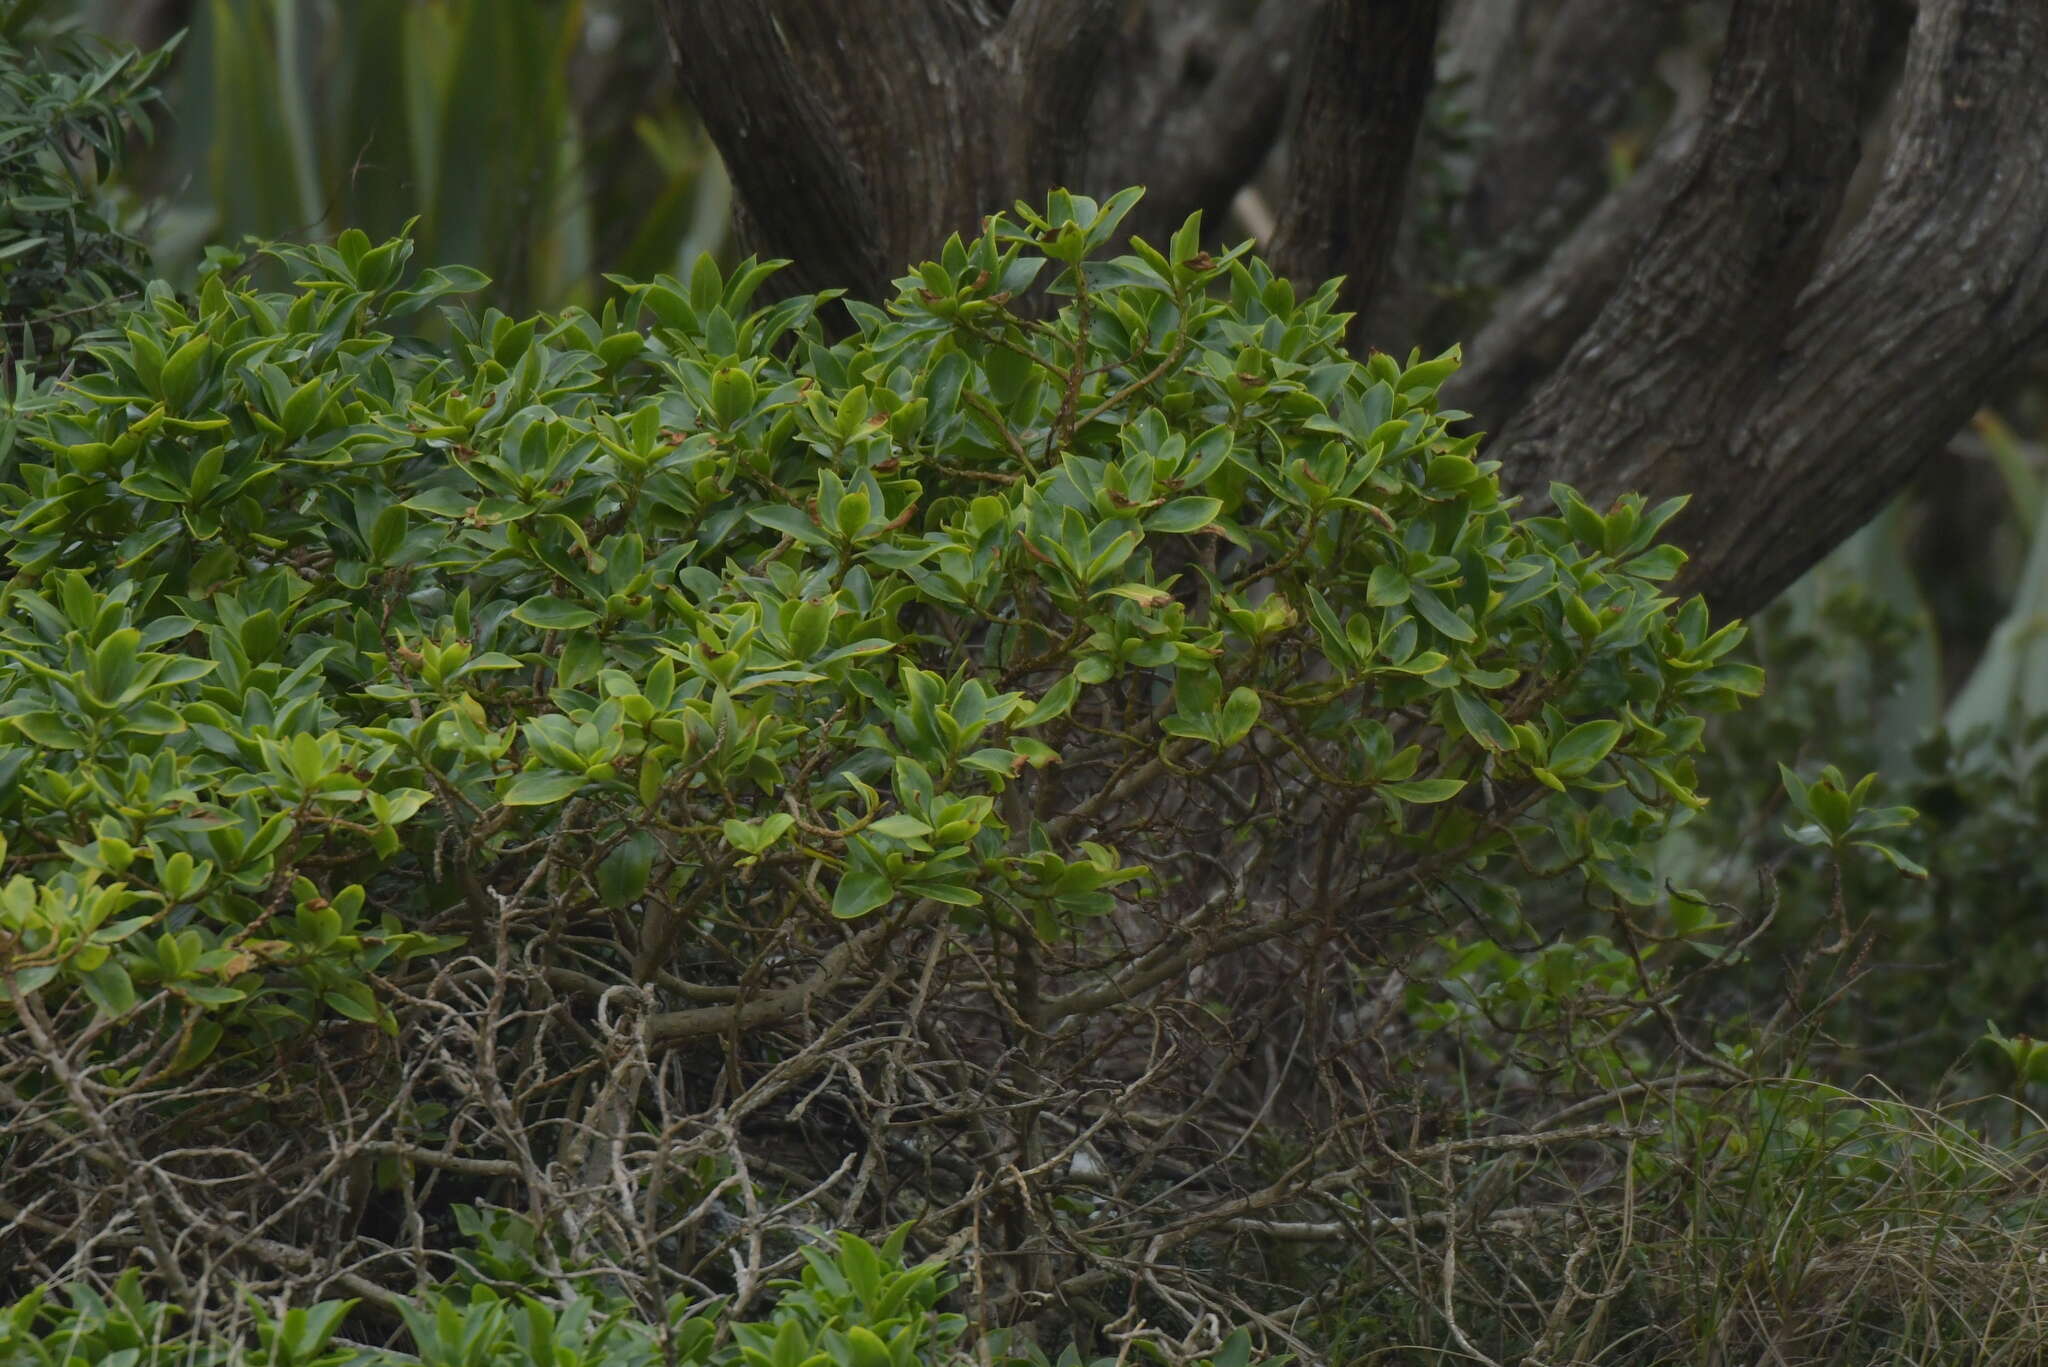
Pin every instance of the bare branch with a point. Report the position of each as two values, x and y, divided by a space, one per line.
857 952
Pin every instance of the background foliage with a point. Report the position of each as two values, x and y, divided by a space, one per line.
540 140
70 110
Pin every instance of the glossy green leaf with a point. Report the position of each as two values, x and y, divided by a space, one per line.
542 788
859 893
622 875
1582 747
552 614
1424 789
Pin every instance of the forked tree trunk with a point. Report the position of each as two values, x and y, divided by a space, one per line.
1708 328
859 134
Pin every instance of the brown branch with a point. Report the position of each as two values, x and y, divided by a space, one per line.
1292 1188
667 1029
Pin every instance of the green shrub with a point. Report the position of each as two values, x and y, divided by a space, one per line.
852 1303
1926 960
686 779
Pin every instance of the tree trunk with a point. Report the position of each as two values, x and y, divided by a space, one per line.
856 162
1369 71
1194 98
1793 396
1712 327
1646 397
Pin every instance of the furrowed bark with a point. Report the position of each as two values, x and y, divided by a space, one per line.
804 190
1650 397
1058 48
1477 40
1793 402
859 134
1926 302
1352 135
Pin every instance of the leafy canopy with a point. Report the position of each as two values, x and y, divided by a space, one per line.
1105 606
298 600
